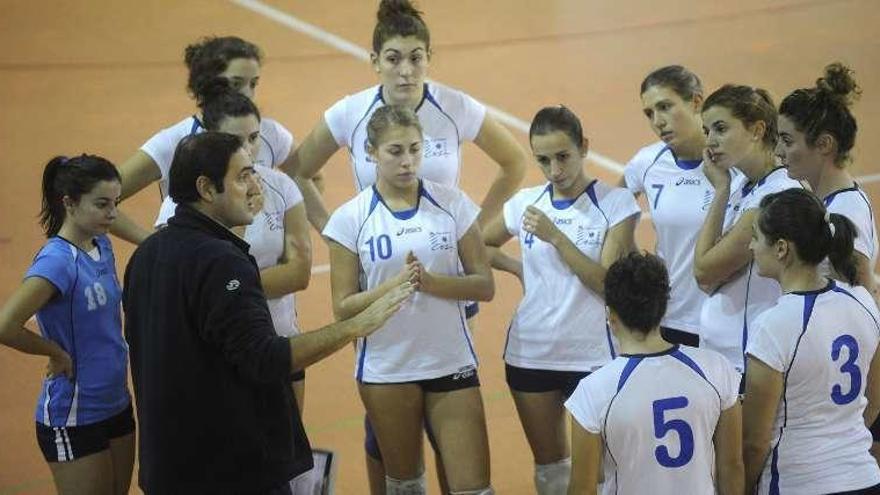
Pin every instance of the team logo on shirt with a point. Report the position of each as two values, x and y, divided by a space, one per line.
274 220
708 196
233 285
436 148
367 156
589 237
440 241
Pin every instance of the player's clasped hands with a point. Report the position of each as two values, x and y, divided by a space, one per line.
418 275
538 224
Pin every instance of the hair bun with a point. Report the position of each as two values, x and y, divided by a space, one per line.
389 9
839 83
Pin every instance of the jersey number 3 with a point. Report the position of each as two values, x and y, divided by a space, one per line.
848 367
679 426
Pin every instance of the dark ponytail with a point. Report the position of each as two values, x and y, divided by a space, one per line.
799 217
72 178
398 18
841 250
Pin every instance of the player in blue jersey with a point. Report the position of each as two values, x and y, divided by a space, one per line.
421 365
84 421
662 419
810 387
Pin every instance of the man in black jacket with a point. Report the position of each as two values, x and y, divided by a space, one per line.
211 377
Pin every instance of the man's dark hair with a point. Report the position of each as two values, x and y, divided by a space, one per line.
208 154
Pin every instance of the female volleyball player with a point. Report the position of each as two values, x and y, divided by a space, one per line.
670 173
811 358
278 236
660 418
570 230
817 131
84 421
740 124
229 59
421 365
401 58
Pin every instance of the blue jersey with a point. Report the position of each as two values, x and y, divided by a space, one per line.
84 319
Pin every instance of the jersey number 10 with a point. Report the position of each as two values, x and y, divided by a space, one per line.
381 246
662 427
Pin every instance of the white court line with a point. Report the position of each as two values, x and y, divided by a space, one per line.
360 53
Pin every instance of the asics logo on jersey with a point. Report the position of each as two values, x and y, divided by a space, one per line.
440 241
688 181
463 373
408 230
233 285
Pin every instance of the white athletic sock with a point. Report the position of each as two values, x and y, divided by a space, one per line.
481 491
552 479
415 486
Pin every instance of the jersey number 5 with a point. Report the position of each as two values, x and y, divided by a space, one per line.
680 426
848 367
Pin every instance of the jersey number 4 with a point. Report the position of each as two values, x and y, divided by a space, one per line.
95 296
662 427
848 367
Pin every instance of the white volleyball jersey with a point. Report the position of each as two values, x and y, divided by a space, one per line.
560 323
728 313
266 237
678 196
428 338
657 414
854 204
275 145
448 118
822 342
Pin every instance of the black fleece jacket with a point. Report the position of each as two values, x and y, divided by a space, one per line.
211 378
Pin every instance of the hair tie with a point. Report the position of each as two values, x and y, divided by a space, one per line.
829 223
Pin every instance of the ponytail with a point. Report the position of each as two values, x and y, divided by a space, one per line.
842 232
63 177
